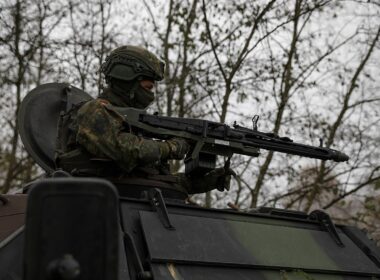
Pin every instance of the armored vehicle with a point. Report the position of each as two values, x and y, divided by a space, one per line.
68 227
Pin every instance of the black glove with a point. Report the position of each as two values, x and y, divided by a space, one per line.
220 178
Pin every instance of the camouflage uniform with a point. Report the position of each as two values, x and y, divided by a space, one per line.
93 132
103 133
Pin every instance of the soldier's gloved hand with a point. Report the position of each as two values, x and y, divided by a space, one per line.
220 178
178 148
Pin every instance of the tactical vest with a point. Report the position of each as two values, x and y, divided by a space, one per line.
73 158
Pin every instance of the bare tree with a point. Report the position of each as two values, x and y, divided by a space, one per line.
91 36
347 106
22 38
235 59
348 118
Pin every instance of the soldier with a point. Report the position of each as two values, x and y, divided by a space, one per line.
95 140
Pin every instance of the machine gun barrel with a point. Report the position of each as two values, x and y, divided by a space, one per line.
286 145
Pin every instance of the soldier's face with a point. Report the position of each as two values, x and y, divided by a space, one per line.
147 84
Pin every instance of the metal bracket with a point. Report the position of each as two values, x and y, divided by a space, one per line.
255 121
364 246
129 244
281 212
201 141
327 224
157 201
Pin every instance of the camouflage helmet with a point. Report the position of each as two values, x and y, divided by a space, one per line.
130 62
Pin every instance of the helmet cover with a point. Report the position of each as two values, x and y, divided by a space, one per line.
131 62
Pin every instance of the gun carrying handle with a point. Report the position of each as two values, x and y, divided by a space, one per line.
227 164
199 145
197 148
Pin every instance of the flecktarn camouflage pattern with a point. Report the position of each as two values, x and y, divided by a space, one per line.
99 132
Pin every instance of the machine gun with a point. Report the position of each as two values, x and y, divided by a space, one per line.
212 138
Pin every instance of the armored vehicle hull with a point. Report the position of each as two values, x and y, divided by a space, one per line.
82 228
